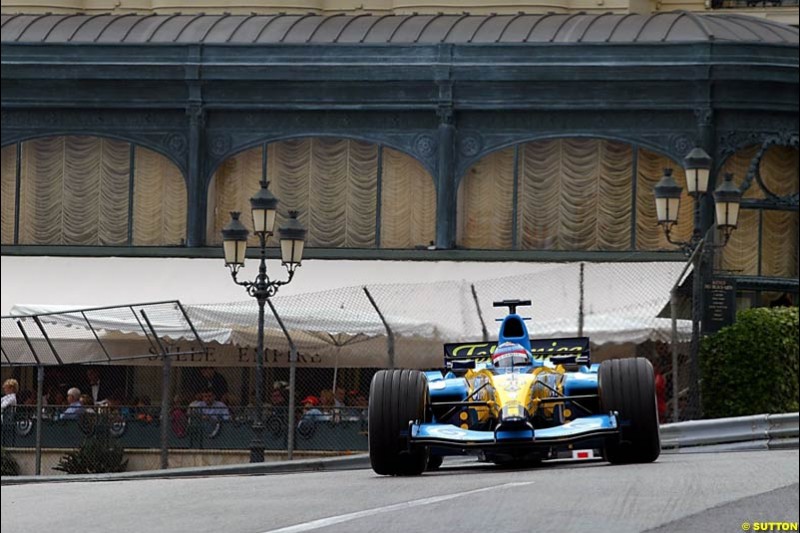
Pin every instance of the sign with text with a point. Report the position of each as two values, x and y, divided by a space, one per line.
540 349
719 309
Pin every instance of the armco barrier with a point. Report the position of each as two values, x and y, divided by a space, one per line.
765 428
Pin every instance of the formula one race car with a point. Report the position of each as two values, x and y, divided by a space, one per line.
515 401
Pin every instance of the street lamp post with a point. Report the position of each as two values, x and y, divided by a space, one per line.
234 240
727 198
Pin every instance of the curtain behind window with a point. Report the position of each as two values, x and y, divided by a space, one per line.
779 171
333 185
74 191
573 194
8 192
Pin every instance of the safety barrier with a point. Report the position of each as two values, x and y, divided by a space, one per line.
771 431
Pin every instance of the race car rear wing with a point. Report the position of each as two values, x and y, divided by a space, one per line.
566 351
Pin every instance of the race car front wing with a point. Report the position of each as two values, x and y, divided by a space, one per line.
587 428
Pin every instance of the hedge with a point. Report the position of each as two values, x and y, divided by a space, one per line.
751 367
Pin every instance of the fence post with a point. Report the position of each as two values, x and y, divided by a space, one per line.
292 382
165 400
166 370
292 386
389 332
673 309
581 300
39 394
484 331
39 407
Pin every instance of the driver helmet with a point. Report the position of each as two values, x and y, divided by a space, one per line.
509 354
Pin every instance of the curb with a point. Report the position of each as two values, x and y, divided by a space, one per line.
348 462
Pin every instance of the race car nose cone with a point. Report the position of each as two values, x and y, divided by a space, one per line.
513 412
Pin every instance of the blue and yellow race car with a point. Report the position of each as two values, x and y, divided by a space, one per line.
515 401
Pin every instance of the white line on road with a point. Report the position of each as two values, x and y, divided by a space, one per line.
333 520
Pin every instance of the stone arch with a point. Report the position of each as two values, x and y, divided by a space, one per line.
172 146
473 149
421 145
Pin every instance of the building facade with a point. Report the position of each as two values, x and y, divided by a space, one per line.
130 132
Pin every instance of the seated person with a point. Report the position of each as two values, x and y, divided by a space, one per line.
361 406
510 354
10 388
327 402
311 415
311 410
208 407
115 406
76 408
87 403
142 409
178 416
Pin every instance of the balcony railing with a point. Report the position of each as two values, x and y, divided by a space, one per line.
739 4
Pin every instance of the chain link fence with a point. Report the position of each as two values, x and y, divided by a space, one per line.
164 385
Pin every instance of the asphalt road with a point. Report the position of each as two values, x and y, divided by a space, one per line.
682 492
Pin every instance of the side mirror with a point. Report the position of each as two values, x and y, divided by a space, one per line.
569 360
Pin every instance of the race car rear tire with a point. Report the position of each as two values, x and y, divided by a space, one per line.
396 398
628 387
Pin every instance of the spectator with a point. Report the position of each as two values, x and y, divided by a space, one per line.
75 409
311 410
26 397
209 407
97 388
311 414
115 404
359 407
10 388
211 379
339 397
178 417
277 398
54 397
661 393
86 402
326 400
142 409
279 393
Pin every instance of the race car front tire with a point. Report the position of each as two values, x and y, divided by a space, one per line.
434 463
627 386
396 398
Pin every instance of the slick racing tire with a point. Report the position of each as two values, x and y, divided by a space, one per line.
628 387
396 397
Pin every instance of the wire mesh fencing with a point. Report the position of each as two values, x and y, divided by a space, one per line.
165 385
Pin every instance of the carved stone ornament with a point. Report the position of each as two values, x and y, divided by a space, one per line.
176 143
219 144
425 145
470 144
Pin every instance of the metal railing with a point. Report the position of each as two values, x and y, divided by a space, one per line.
767 430
739 4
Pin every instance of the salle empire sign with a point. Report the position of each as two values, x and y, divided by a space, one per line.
194 355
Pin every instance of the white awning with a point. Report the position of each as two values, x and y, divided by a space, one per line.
621 304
